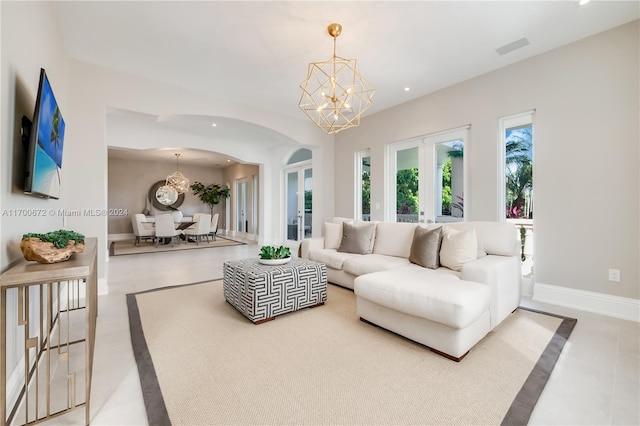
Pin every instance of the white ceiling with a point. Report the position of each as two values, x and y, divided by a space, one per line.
256 53
192 157
234 132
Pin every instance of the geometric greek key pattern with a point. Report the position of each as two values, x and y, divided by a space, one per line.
262 292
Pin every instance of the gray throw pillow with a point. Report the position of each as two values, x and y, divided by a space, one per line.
425 248
357 238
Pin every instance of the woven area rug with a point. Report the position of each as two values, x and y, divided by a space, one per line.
202 362
118 248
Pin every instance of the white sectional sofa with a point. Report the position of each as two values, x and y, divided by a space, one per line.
447 308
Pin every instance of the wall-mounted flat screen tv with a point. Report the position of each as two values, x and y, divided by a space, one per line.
46 140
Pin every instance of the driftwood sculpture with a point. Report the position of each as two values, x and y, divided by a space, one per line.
44 252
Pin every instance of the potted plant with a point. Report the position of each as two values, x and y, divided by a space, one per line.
211 194
52 247
272 255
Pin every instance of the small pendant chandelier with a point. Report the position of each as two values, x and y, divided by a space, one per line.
177 180
335 95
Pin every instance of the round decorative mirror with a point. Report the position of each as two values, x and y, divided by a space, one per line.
165 197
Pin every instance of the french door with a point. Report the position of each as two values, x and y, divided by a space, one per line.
243 212
298 198
427 178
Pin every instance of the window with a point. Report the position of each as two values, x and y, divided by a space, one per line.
363 185
449 180
516 183
519 172
516 140
300 155
408 185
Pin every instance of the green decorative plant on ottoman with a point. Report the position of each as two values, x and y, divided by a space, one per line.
52 247
271 255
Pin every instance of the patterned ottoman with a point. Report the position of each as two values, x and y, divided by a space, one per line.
261 292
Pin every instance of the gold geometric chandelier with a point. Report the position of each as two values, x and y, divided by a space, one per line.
178 180
335 95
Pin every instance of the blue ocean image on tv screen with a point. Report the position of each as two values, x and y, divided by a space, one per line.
51 125
46 179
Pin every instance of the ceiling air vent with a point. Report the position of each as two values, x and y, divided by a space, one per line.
512 46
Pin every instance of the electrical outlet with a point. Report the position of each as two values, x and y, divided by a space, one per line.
614 275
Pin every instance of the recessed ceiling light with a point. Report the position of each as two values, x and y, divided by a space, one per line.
228 161
213 125
583 2
406 89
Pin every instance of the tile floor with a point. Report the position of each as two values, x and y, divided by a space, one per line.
595 382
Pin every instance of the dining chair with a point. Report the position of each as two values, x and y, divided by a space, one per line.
194 222
165 228
199 229
140 230
177 216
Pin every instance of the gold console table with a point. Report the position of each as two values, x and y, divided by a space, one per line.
57 307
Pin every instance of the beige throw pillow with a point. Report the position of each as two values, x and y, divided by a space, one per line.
332 235
357 238
425 248
458 248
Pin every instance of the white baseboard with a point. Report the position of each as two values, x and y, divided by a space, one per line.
527 287
116 237
599 303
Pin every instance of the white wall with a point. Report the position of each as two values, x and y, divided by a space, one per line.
36 44
586 151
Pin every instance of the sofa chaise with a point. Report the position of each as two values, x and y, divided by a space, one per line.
444 285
